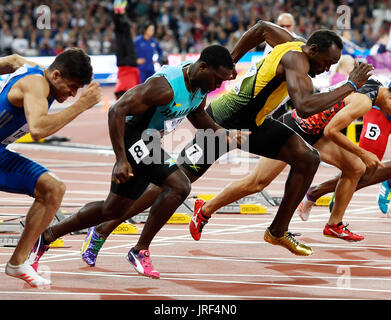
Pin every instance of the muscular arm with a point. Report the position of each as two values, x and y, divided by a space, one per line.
12 62
356 106
200 119
139 99
34 91
301 90
260 32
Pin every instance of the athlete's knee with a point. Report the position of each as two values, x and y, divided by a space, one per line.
355 169
112 210
309 160
57 191
51 191
180 189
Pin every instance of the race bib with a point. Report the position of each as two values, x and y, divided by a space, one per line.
194 153
250 73
17 134
373 131
170 125
139 151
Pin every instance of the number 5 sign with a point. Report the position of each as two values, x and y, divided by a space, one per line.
373 131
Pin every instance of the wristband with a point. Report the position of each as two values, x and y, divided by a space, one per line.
353 84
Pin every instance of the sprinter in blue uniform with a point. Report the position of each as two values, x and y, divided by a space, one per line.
25 97
142 114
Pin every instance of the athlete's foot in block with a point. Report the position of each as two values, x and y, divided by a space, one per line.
26 273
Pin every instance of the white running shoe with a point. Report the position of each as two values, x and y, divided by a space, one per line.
304 208
26 272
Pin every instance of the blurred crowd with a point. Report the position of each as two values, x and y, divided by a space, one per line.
180 25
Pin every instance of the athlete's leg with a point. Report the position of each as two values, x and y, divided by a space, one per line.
175 189
304 161
374 138
264 173
352 168
48 194
89 215
369 178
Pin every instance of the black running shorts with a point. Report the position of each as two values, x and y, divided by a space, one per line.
149 161
289 121
265 140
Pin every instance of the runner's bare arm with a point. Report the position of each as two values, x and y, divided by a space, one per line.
260 32
357 105
200 119
301 90
154 92
12 62
34 91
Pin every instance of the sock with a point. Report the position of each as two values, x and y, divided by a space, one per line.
27 273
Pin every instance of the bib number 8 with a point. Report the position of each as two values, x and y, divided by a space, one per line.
139 151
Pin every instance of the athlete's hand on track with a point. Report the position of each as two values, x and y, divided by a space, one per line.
91 95
122 172
360 74
371 160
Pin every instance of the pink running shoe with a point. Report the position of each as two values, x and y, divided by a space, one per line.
142 263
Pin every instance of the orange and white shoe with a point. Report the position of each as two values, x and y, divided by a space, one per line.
27 273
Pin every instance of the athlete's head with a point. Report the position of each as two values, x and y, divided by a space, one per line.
324 50
214 66
69 71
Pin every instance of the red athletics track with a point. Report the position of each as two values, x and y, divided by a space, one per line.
231 262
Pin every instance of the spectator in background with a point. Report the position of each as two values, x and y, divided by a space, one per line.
94 45
74 22
146 47
286 21
128 74
6 39
344 67
20 44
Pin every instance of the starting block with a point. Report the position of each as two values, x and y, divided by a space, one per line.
58 243
27 139
126 228
9 241
182 215
252 209
179 218
206 196
323 201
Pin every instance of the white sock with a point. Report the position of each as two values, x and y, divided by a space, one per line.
26 272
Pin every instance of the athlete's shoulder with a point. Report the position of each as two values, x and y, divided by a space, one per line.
157 90
35 83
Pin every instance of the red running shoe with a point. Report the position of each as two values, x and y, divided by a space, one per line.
198 221
341 231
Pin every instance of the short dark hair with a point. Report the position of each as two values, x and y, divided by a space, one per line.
216 56
324 39
74 64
